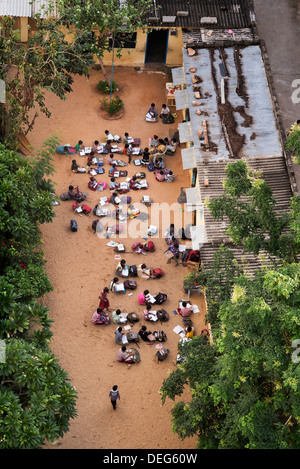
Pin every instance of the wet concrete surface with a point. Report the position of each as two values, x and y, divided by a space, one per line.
278 24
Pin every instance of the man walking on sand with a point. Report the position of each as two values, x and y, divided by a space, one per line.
114 395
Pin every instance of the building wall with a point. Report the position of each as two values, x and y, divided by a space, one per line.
129 57
137 56
175 44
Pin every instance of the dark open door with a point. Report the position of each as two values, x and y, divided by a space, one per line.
157 44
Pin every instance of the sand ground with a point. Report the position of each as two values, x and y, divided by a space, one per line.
80 264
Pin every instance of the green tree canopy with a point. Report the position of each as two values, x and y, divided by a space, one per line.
250 207
48 61
37 400
293 143
245 387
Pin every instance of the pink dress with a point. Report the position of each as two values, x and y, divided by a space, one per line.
104 303
141 299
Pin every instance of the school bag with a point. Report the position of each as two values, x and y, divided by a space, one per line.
132 317
187 321
97 226
65 196
160 336
151 167
143 216
73 225
99 170
133 271
130 284
162 315
133 337
156 273
86 209
160 298
149 246
193 256
162 354
140 175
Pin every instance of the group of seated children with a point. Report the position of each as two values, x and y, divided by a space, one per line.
107 146
123 187
164 175
165 114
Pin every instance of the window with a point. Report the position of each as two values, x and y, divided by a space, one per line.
124 40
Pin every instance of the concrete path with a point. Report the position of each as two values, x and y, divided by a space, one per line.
278 24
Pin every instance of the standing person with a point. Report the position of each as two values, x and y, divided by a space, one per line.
114 395
104 302
128 149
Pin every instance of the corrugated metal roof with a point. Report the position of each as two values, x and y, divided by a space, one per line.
178 76
189 160
181 99
248 103
229 13
24 8
15 8
248 261
185 132
273 172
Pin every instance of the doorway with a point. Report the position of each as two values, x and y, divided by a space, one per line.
157 45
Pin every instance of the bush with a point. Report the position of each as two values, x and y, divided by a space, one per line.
104 86
293 145
113 106
37 400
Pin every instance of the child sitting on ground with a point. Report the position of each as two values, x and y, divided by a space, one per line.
113 185
169 177
79 146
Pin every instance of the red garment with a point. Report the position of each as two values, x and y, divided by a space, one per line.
184 311
104 303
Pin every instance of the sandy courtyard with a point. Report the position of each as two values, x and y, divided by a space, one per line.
80 264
